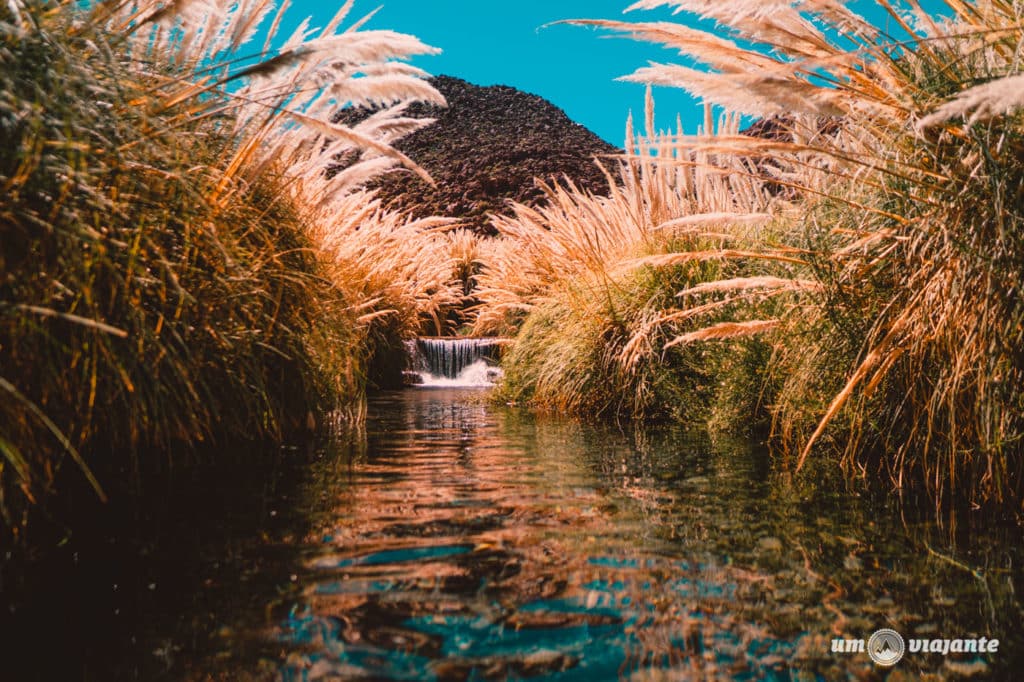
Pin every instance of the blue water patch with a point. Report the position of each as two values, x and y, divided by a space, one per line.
303 627
503 641
613 562
591 648
354 587
606 586
703 589
398 556
336 657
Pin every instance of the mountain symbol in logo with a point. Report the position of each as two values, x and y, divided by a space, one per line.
886 647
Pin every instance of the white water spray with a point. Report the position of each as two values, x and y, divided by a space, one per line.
455 362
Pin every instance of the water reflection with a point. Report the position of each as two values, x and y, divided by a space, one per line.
461 541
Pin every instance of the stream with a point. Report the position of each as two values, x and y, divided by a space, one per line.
454 539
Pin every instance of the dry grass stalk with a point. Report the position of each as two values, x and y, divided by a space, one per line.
725 330
761 282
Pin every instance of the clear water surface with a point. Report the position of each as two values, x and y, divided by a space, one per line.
451 539
466 541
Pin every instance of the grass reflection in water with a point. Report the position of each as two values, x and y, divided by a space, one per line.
470 542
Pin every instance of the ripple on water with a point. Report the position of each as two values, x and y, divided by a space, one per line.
471 542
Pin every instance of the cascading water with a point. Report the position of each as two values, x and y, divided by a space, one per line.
454 361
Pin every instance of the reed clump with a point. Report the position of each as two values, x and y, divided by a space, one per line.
604 291
403 278
899 344
161 282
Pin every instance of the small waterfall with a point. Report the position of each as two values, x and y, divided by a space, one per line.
454 361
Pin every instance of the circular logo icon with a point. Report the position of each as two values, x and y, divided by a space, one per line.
886 647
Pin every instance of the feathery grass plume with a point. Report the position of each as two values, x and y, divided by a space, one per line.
906 353
404 278
161 203
725 330
467 251
281 102
983 102
407 267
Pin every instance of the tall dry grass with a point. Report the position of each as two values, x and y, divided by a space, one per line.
902 350
402 278
601 289
164 200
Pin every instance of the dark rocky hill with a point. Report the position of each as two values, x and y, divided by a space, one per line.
487 147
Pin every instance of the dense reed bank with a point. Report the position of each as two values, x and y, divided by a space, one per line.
599 276
188 255
875 315
165 211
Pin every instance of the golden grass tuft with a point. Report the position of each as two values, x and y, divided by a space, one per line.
590 283
900 345
854 276
163 202
725 330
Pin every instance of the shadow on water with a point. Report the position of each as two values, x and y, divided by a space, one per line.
129 590
452 539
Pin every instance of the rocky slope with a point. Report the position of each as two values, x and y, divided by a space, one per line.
486 148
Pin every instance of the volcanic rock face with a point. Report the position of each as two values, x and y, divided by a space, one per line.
487 147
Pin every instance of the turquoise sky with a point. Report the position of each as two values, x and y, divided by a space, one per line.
490 42
503 43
